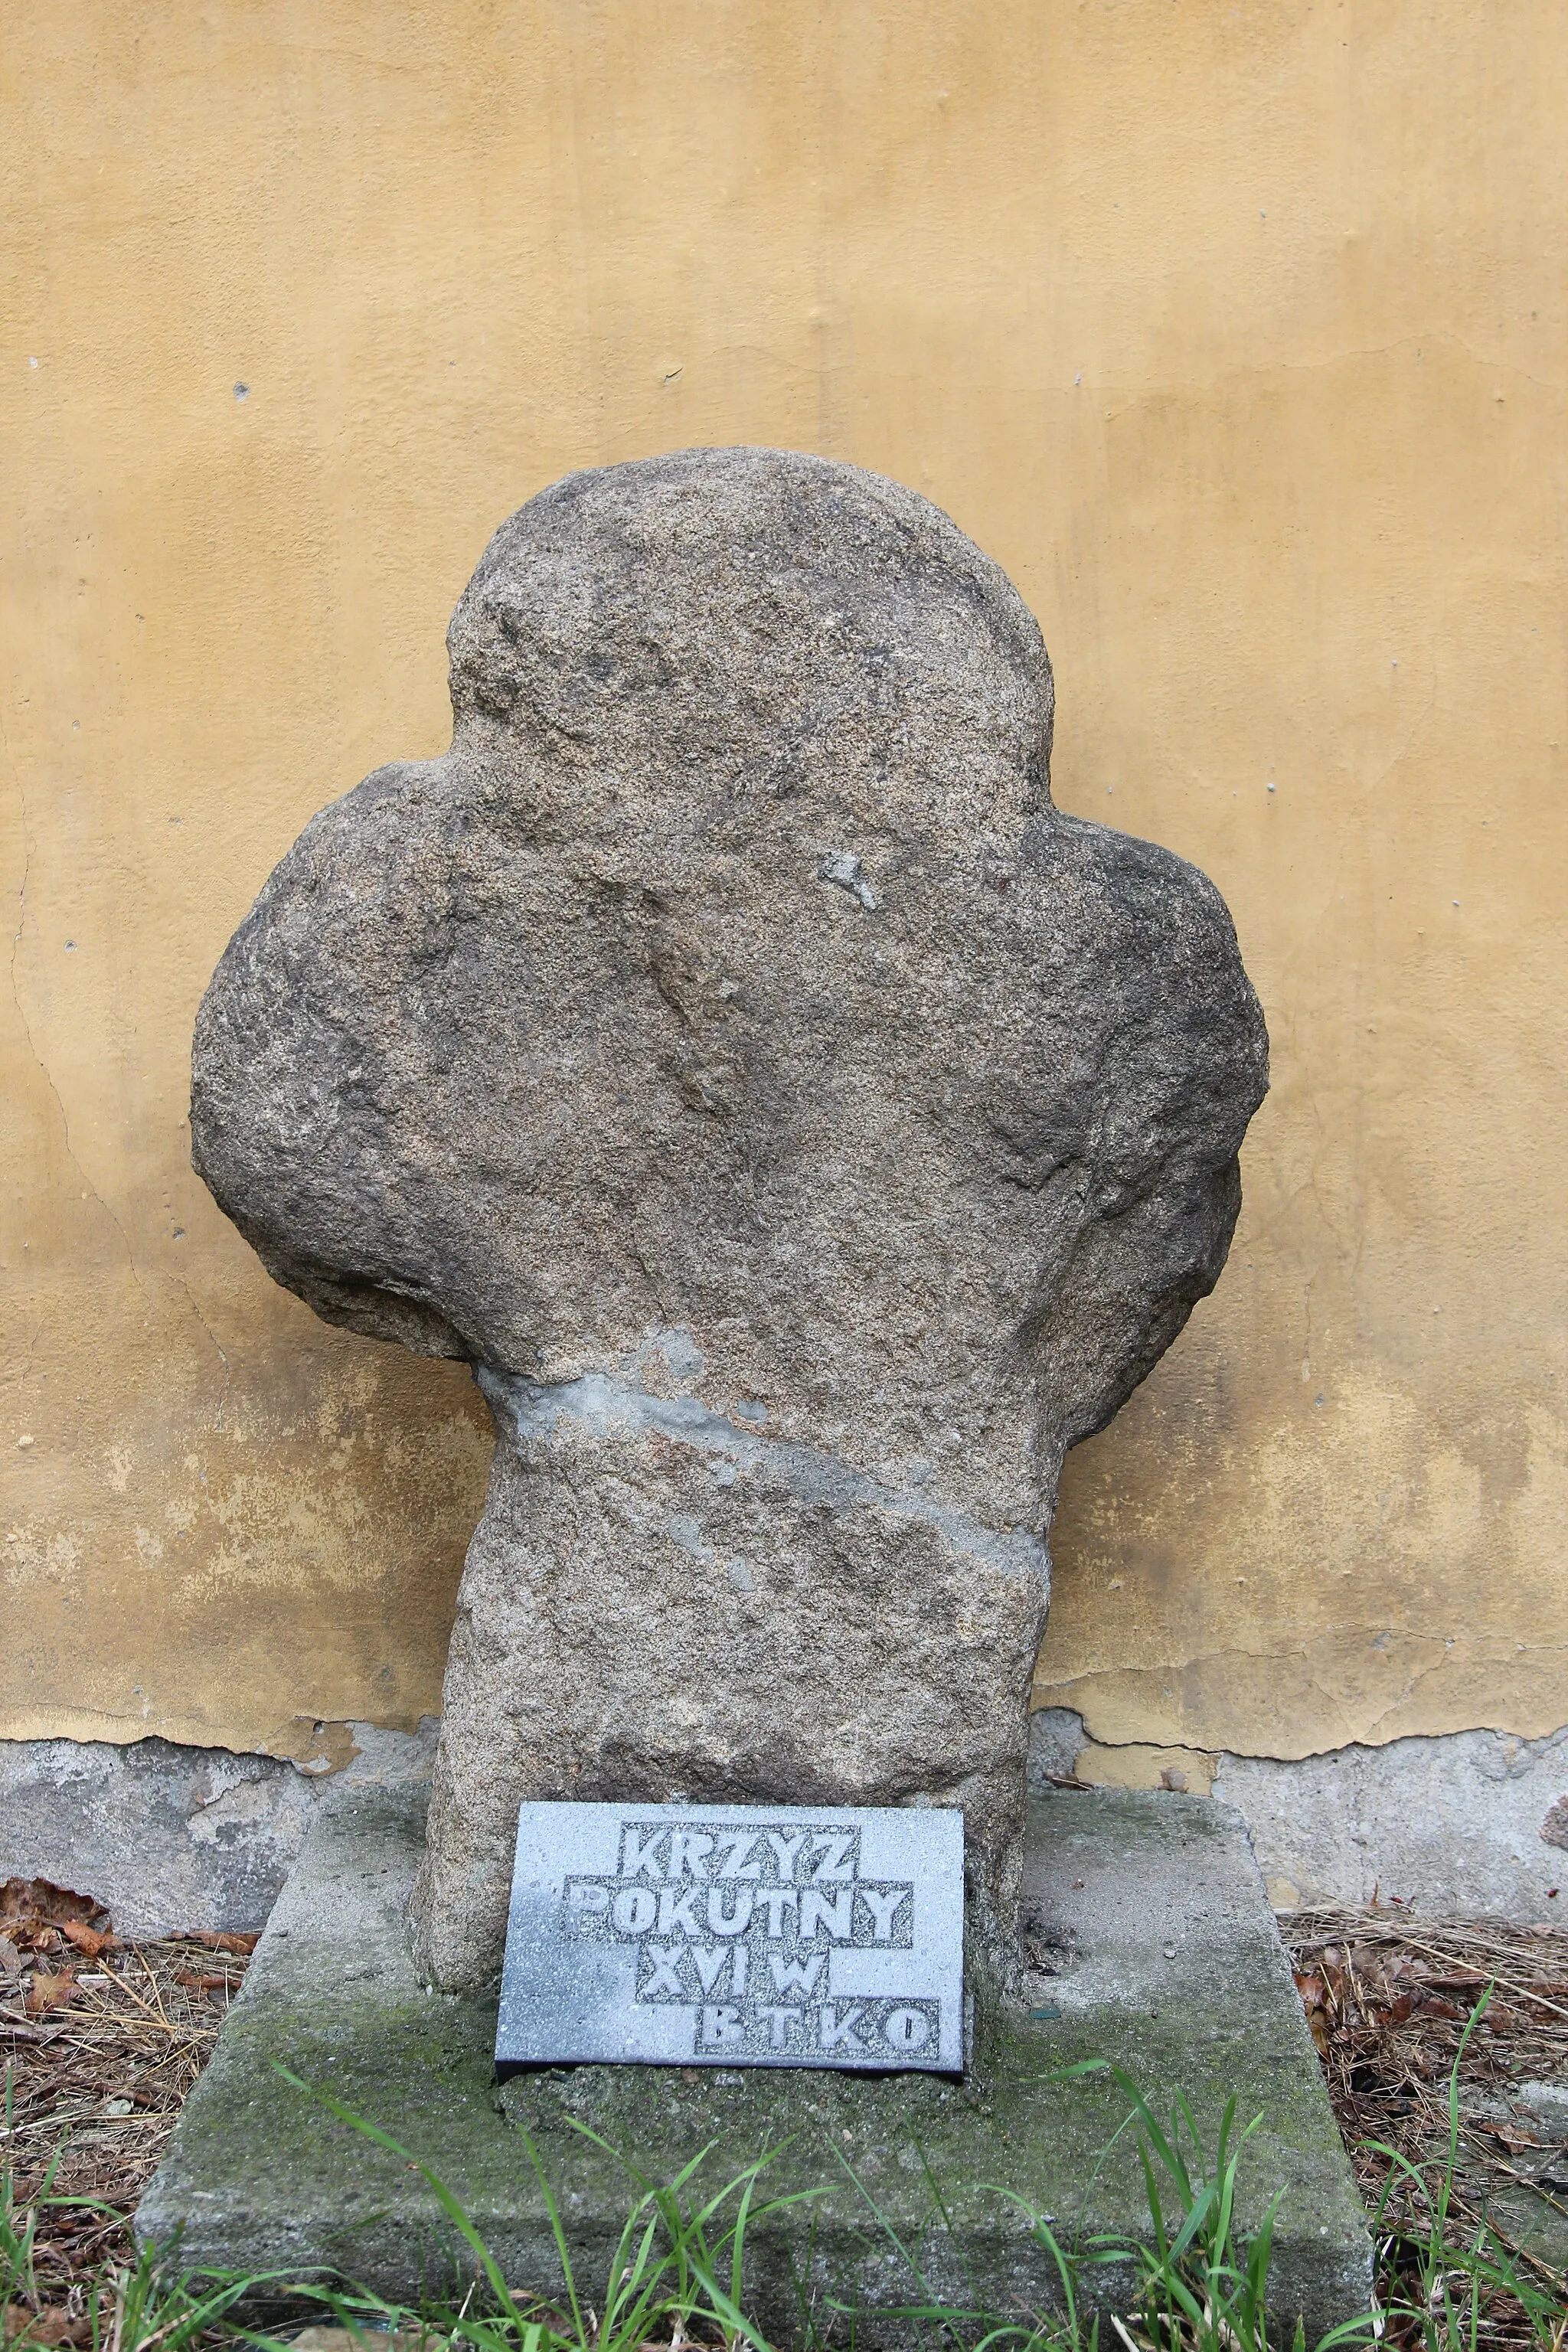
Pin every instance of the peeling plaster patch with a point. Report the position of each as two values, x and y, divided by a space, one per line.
31 1557
1183 1771
1059 1748
325 1748
1468 1821
169 1837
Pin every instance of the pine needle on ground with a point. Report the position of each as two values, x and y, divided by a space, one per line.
1388 1995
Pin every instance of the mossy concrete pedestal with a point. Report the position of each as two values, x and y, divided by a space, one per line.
1159 1954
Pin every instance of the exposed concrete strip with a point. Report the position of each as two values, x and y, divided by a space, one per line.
1467 1821
169 1837
1459 1824
610 1407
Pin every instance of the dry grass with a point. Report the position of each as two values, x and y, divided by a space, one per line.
96 2069
1388 1997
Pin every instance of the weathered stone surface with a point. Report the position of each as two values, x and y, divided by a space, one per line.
809 1132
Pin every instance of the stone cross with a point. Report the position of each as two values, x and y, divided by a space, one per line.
805 1132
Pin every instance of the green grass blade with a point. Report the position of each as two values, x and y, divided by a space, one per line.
448 2203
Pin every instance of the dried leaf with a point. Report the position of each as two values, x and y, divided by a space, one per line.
47 1993
90 1940
213 1939
51 2327
1391 2034
39 1902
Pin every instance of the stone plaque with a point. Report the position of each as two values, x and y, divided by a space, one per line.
735 1936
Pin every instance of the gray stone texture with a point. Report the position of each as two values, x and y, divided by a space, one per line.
808 1131
1455 1824
170 1838
1153 1948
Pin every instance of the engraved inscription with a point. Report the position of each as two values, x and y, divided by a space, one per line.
740 1924
760 1936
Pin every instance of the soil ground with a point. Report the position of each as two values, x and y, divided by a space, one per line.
97 2056
1389 1996
101 2047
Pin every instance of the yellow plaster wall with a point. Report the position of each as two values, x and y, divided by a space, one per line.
1235 332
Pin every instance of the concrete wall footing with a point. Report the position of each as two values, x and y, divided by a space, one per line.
1465 1822
171 1837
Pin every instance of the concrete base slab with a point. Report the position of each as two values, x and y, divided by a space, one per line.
1156 1950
